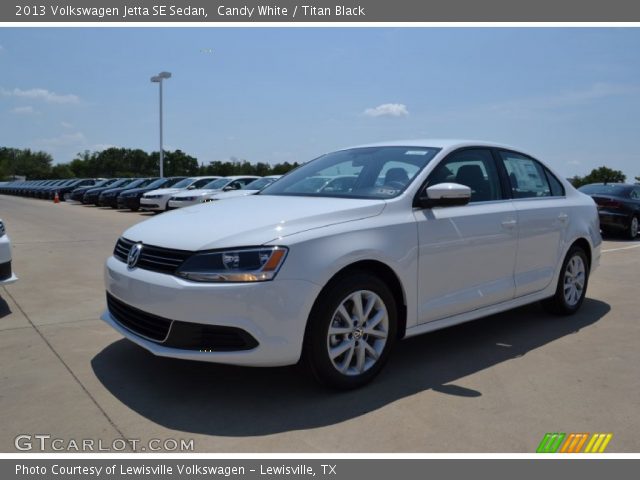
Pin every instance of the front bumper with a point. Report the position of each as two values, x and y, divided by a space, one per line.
129 202
154 204
182 203
273 313
108 201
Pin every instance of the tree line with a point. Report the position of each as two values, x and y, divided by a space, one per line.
125 162
130 162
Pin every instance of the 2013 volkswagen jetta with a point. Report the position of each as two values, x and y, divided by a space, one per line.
427 235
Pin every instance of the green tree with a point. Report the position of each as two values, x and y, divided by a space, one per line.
62 170
601 175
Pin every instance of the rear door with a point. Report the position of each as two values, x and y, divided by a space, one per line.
543 217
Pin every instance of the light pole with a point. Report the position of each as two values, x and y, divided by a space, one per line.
158 79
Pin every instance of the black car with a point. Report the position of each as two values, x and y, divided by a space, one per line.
131 198
618 206
65 191
92 195
78 193
109 197
49 192
65 188
34 189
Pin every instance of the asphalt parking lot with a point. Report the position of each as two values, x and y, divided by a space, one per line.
494 385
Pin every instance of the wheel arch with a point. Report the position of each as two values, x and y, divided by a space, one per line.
387 275
584 244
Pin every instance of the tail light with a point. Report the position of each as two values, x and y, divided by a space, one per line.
612 204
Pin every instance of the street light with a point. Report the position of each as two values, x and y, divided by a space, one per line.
158 79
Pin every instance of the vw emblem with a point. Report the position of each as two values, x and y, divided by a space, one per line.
134 255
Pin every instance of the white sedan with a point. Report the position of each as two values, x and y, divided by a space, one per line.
6 274
224 184
249 189
430 234
157 200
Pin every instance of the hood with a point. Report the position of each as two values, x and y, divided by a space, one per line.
97 190
195 193
165 191
248 220
234 193
136 191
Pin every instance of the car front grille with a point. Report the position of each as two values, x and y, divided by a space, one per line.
178 334
141 323
156 259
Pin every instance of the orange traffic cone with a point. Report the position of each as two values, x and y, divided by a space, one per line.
56 198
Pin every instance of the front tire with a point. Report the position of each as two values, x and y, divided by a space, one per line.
351 331
632 229
572 284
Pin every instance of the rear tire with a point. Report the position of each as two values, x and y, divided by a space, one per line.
572 284
351 331
632 229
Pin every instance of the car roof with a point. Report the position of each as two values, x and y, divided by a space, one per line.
437 143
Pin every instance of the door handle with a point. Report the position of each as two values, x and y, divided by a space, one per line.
509 223
563 217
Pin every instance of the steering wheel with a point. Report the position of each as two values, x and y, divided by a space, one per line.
395 184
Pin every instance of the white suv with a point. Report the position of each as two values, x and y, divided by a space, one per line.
429 234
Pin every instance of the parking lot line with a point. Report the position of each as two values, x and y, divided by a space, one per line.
621 248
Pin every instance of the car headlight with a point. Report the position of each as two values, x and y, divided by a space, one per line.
151 196
256 264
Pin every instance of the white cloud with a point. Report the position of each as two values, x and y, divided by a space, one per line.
66 124
42 94
388 110
27 110
64 140
2 49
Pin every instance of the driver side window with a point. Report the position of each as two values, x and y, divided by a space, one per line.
474 168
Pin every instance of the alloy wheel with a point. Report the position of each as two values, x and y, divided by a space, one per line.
358 333
574 280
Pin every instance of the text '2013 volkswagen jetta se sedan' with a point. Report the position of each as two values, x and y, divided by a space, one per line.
427 235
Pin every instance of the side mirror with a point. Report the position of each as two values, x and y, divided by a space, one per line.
444 195
191 187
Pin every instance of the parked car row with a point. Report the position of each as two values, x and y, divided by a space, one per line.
46 189
151 194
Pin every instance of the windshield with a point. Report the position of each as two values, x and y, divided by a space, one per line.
608 189
217 184
140 182
259 184
164 182
367 172
120 183
184 183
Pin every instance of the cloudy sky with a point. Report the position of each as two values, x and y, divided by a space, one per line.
570 96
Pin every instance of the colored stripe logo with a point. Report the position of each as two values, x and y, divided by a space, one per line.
574 442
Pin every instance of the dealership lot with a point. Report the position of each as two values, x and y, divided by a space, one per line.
495 385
